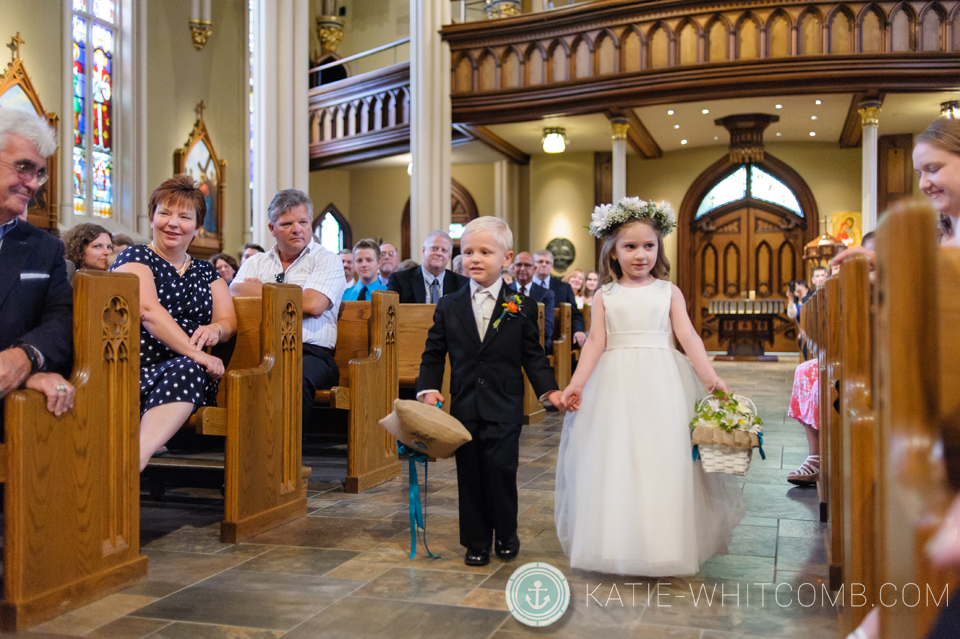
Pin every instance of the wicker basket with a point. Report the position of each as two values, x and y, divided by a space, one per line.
732 457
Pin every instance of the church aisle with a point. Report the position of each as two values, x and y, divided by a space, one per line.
344 570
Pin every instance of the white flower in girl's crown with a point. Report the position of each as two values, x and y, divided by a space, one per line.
607 216
599 219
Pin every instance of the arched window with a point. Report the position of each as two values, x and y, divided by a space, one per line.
745 183
331 230
94 36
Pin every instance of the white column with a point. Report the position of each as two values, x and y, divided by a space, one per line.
506 195
870 119
280 138
430 120
619 126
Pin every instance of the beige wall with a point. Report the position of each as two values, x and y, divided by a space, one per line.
833 175
179 77
377 197
40 23
561 202
478 179
369 24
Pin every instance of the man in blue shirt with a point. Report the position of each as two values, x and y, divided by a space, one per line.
366 263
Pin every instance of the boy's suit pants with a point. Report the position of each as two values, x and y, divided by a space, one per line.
487 482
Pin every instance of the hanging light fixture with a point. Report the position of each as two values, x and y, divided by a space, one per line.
950 110
554 140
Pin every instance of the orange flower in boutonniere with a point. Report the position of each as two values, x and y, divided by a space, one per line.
511 308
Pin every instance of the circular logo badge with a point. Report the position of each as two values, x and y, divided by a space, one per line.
537 594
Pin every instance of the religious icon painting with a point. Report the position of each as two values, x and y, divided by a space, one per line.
198 159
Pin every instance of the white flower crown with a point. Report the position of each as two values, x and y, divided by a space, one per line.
607 216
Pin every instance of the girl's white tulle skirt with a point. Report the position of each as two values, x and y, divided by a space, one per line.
629 498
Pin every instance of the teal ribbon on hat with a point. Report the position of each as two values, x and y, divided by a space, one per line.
416 507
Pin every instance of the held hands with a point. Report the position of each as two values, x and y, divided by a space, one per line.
58 401
431 399
204 336
570 400
556 398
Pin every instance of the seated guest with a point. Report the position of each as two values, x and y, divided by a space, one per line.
87 246
507 276
458 265
590 285
185 306
575 279
36 303
346 255
427 283
389 262
298 259
226 266
797 296
805 408
562 292
121 242
524 268
819 277
366 262
249 250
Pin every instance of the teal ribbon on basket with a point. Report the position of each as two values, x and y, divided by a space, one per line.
416 507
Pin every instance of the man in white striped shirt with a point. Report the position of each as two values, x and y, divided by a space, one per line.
297 259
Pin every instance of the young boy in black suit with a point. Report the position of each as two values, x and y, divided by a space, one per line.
485 329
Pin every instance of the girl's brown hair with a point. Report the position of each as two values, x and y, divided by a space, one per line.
77 239
944 134
180 189
610 270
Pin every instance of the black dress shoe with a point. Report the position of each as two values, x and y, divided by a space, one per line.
509 549
477 557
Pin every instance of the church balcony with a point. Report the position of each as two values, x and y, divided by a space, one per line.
614 54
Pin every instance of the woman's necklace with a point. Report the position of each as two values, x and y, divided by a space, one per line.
182 269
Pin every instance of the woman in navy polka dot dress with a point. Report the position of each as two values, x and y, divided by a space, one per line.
184 307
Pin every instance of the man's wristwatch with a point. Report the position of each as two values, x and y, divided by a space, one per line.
32 354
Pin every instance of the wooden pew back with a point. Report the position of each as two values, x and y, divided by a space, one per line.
533 410
562 340
831 433
71 495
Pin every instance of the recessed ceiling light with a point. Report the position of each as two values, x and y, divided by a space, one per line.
705 111
676 126
818 102
779 134
813 117
779 106
683 141
813 134
669 111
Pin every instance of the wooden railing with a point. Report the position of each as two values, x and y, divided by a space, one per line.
619 52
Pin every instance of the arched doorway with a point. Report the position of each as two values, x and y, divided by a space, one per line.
742 229
462 209
332 230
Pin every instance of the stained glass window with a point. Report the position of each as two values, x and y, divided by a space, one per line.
729 189
753 180
329 233
94 39
764 186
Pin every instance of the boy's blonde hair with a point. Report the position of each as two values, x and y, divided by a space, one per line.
501 231
610 270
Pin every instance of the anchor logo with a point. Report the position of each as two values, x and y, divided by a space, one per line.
537 590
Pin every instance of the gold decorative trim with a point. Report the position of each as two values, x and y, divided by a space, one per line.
200 32
620 130
870 116
330 33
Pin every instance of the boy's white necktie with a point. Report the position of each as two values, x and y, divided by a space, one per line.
481 310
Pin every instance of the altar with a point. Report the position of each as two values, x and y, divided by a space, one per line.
746 325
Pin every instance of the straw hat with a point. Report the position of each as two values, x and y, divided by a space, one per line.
425 428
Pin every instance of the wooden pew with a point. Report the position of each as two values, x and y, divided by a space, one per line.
858 524
368 358
918 311
71 483
562 340
533 410
585 311
413 324
259 412
830 489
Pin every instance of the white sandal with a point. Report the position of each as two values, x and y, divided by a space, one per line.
808 473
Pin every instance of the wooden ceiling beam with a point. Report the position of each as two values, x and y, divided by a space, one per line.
638 137
495 142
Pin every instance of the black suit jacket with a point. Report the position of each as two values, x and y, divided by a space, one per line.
544 295
36 301
410 285
564 293
486 380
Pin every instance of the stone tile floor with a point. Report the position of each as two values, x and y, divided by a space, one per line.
344 571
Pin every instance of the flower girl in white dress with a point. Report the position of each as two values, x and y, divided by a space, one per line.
629 497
